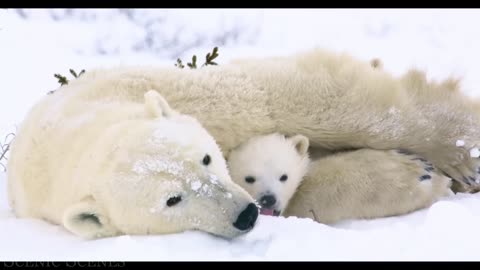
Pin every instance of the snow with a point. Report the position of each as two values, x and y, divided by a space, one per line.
442 232
157 164
474 152
196 185
460 143
442 42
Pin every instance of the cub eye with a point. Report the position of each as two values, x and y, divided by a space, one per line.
206 160
284 178
250 179
173 200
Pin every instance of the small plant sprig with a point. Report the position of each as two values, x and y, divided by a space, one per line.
209 58
376 63
193 64
62 80
179 63
74 74
4 148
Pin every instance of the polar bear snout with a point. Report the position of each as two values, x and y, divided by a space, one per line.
267 201
270 205
246 219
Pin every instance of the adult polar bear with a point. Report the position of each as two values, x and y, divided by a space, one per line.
334 100
102 166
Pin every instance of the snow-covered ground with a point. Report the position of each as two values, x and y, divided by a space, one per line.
446 231
443 42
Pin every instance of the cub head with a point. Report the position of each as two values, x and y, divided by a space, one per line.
270 168
164 174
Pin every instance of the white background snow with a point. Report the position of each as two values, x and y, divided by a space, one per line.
35 44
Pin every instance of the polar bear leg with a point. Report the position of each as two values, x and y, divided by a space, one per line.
367 184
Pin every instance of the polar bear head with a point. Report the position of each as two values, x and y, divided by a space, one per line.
163 174
270 168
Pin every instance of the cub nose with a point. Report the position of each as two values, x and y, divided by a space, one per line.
267 201
247 218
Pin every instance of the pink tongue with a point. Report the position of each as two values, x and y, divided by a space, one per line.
267 212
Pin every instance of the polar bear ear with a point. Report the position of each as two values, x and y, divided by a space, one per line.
87 220
301 144
156 105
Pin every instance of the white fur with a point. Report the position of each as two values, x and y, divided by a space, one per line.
366 184
339 186
267 158
69 152
114 173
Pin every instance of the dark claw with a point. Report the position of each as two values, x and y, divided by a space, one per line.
421 159
425 177
465 180
402 151
472 178
429 169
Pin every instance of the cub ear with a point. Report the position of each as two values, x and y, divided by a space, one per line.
87 220
156 105
301 144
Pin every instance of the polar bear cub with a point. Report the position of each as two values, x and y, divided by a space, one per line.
270 168
335 187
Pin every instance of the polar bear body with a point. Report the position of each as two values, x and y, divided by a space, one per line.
337 102
334 100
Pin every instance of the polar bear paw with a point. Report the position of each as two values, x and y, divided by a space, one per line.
464 166
466 178
425 169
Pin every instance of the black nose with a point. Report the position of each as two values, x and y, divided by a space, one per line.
247 218
267 201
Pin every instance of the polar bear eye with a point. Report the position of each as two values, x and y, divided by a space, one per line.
206 160
173 200
250 179
284 178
